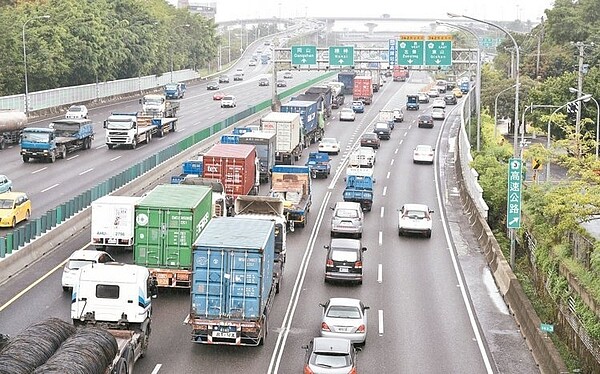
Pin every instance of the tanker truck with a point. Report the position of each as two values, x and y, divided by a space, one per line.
12 123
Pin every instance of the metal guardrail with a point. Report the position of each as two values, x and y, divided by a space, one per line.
21 236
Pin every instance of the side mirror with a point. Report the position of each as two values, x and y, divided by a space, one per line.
326 246
104 124
332 207
322 305
431 211
305 347
374 180
367 307
364 249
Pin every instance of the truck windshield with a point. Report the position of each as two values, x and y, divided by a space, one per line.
119 125
262 150
171 87
36 137
151 100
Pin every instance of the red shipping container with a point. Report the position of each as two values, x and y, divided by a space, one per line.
234 165
363 89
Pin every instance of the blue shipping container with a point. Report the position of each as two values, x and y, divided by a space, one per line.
347 78
193 167
230 139
307 111
233 268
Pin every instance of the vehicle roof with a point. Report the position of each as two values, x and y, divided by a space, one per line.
86 254
347 205
76 106
371 134
331 345
424 146
11 195
425 115
345 243
413 206
344 301
327 140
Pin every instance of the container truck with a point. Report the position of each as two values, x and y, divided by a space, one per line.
292 184
376 80
312 128
265 149
271 209
219 200
167 222
56 141
113 221
363 89
12 123
347 78
118 298
132 129
233 288
236 166
287 128
326 93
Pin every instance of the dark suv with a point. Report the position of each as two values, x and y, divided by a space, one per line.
344 260
450 99
383 130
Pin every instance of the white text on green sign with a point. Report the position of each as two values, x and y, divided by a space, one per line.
438 50
304 55
513 209
341 55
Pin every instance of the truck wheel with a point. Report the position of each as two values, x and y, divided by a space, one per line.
1 143
266 330
63 153
87 144
25 158
134 143
120 367
53 157
14 222
110 146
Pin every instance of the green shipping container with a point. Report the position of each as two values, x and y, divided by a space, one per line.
168 220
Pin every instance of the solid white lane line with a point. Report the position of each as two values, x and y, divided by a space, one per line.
380 322
384 190
101 146
86 171
382 211
156 368
38 170
115 158
49 188
380 273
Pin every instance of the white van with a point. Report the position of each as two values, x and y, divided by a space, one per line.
363 157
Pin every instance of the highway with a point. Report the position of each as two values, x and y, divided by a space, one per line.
428 313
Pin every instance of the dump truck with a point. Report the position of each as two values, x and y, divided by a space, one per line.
233 287
363 89
12 123
289 141
312 128
167 222
292 184
102 297
326 93
113 221
359 187
57 140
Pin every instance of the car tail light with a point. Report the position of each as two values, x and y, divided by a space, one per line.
324 327
308 371
361 328
358 265
329 263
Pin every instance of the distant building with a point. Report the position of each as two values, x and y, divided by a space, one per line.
208 10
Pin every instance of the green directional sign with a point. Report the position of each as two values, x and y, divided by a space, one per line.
438 50
304 55
513 208
410 50
341 55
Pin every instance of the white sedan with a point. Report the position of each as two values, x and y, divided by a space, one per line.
438 113
423 154
347 114
329 145
76 112
415 219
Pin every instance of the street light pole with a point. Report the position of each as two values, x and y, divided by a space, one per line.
174 28
496 108
576 90
516 46
477 79
25 61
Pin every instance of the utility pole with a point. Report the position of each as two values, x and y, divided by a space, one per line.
580 71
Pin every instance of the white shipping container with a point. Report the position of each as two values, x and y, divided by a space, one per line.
113 221
287 128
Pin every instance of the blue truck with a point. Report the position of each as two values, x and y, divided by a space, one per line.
312 130
292 184
189 168
359 187
412 102
347 78
319 164
233 285
57 140
175 90
465 87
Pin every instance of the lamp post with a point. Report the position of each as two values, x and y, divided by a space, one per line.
477 79
175 28
496 108
516 46
575 90
581 98
25 61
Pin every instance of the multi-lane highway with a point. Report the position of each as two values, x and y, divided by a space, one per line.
433 308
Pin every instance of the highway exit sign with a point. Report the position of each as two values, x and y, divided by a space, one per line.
341 55
410 50
513 201
438 50
304 55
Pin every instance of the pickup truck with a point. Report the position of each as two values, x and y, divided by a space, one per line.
318 163
359 187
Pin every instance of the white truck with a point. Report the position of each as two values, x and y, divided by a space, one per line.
113 221
362 157
118 298
157 105
289 140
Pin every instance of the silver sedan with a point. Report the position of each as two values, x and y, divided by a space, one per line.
345 318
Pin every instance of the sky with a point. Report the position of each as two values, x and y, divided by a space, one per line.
492 10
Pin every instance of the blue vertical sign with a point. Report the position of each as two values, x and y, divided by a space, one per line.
513 201
392 52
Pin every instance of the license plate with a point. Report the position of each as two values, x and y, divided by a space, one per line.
343 329
112 241
163 281
343 270
220 334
